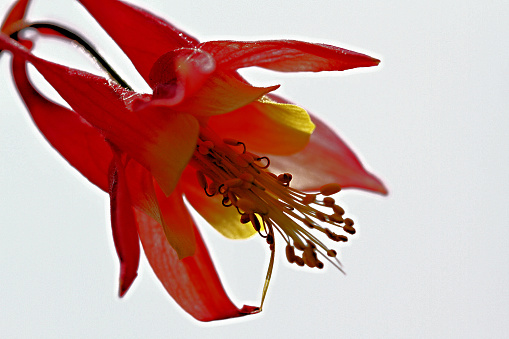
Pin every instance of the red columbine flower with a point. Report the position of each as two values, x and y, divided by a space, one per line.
205 133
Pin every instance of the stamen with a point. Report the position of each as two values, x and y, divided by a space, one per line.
285 178
255 222
330 189
328 201
268 202
267 162
233 142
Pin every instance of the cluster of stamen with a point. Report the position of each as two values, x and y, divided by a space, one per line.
268 203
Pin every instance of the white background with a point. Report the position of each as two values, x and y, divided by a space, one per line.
430 260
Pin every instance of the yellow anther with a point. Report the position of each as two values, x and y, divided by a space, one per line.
348 222
330 189
328 201
332 253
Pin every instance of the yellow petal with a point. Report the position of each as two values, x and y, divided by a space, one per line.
266 127
226 220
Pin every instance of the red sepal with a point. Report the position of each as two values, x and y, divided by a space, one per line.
285 56
326 158
77 141
142 36
123 224
193 281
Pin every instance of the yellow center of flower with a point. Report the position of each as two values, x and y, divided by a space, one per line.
266 200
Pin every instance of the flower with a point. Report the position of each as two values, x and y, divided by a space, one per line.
197 135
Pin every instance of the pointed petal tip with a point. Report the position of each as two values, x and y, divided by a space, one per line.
124 285
371 184
369 61
383 190
247 310
378 186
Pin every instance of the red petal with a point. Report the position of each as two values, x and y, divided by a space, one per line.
266 127
285 56
180 73
324 160
123 224
160 140
13 20
193 281
177 223
143 36
77 141
170 212
222 92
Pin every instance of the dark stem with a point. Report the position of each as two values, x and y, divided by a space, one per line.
83 43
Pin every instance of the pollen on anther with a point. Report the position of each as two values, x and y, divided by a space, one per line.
290 254
330 189
309 199
338 210
328 201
